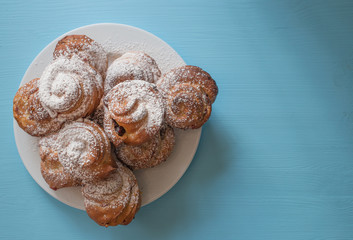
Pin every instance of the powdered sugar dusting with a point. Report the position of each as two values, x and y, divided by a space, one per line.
130 66
164 57
97 55
51 168
81 148
110 185
150 153
145 95
137 106
86 49
189 92
114 190
189 75
70 88
29 112
113 200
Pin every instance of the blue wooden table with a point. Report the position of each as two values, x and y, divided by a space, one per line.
275 160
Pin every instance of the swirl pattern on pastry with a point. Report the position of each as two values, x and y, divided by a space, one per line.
83 150
113 200
50 166
29 113
133 112
85 48
189 92
150 153
70 89
131 66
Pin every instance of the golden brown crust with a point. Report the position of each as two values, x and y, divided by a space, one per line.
134 208
114 200
189 92
86 48
70 44
133 112
29 112
51 168
148 154
134 204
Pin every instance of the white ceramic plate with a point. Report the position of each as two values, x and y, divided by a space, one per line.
116 39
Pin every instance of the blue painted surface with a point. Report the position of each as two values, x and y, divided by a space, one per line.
274 160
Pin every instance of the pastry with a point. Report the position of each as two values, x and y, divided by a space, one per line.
113 200
133 112
29 113
50 166
85 48
150 153
79 107
70 89
189 93
131 66
83 150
